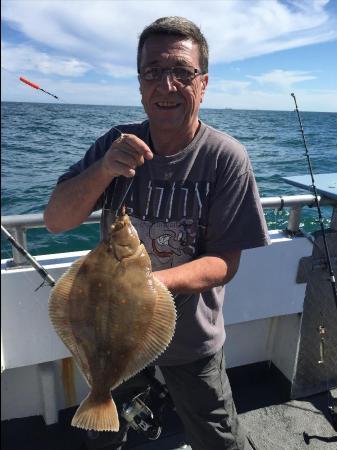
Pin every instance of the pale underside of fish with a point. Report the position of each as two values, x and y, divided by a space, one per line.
114 316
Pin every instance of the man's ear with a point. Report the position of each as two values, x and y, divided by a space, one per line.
140 90
204 82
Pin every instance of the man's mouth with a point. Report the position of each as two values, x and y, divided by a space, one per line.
167 105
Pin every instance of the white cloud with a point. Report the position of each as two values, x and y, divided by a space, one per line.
236 96
229 86
69 91
309 100
283 78
74 37
119 71
104 32
25 57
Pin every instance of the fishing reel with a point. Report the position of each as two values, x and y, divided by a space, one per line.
143 413
141 418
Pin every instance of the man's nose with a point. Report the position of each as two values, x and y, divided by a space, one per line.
167 82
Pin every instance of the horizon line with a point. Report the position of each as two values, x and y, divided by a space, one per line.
141 107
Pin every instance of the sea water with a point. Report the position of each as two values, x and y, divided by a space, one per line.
40 141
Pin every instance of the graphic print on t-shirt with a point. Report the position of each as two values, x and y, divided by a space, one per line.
169 217
168 243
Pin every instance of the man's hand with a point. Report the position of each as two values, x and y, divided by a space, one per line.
73 200
125 155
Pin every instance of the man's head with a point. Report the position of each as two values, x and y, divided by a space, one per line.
180 27
172 65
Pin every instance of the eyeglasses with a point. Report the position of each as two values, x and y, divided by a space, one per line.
179 73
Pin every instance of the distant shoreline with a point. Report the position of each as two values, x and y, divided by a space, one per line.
141 108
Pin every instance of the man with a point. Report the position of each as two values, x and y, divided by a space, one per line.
194 202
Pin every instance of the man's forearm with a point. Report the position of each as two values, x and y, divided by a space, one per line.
73 200
200 274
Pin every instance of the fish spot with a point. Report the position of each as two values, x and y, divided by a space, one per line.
123 301
99 284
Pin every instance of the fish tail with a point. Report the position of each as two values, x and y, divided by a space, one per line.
98 415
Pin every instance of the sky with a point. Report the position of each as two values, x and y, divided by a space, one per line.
85 51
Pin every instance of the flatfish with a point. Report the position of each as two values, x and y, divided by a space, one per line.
114 316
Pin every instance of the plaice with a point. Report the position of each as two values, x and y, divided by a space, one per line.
114 316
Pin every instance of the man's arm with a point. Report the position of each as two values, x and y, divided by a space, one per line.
201 274
73 200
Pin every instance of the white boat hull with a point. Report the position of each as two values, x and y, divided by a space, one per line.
262 312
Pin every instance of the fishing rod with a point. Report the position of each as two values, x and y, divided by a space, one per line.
332 278
331 401
36 86
40 270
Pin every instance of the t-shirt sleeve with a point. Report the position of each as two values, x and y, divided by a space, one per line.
236 220
95 152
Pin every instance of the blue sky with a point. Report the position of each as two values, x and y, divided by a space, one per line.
85 51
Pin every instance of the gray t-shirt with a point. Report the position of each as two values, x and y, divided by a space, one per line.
202 200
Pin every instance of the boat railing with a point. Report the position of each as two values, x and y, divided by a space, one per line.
18 225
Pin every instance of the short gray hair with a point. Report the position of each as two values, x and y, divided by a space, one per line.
180 27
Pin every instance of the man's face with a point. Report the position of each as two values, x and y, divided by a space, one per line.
171 105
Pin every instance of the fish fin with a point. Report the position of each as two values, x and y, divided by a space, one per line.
96 415
159 333
59 316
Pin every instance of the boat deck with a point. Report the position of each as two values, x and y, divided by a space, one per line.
262 398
